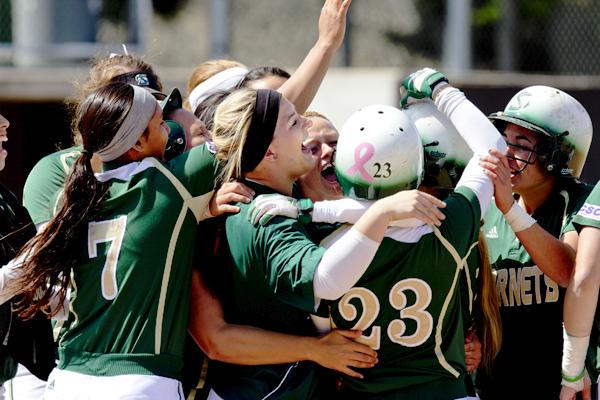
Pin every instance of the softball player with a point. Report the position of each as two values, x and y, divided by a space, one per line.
408 302
581 298
129 315
548 134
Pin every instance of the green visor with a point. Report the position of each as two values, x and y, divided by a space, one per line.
499 119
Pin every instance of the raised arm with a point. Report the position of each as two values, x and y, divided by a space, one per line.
253 346
474 127
302 86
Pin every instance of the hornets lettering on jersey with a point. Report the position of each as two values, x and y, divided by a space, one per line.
524 286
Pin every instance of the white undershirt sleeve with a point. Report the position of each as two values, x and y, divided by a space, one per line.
478 132
349 211
343 264
345 211
474 178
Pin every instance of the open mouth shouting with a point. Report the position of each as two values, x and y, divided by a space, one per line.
329 176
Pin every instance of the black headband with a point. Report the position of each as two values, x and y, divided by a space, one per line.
139 78
262 128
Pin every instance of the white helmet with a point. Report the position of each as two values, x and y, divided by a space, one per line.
560 119
378 153
446 152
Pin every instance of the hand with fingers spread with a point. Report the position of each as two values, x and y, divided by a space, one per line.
414 204
421 84
495 166
338 351
230 192
332 23
472 351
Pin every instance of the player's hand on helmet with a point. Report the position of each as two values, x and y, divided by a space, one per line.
339 351
267 206
584 385
495 166
472 351
230 192
421 85
414 204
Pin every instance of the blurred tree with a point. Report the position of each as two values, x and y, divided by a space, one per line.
533 18
116 10
5 21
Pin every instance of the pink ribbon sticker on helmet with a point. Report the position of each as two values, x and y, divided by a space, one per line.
360 158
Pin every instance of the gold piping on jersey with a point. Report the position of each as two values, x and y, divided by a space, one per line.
460 263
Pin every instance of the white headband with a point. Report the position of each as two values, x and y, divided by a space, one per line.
135 123
224 80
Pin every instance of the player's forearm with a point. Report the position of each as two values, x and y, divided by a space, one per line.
478 132
553 256
235 343
247 345
302 86
582 294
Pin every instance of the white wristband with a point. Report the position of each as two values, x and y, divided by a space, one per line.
573 360
518 219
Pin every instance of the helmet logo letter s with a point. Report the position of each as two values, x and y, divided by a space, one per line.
360 159
522 101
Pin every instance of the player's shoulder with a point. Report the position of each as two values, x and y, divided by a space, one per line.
57 162
577 190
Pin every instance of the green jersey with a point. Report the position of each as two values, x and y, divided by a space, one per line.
589 213
268 280
45 184
130 309
531 303
408 305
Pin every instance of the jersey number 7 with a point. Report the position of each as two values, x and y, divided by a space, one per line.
107 231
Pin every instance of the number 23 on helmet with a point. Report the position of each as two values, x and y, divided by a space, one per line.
378 153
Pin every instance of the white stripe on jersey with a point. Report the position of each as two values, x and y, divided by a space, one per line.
460 263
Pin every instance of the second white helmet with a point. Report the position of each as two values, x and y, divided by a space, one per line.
446 152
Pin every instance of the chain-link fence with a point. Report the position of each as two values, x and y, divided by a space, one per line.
5 31
547 36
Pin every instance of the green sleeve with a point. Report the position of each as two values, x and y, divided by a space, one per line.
589 213
289 259
196 169
45 183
